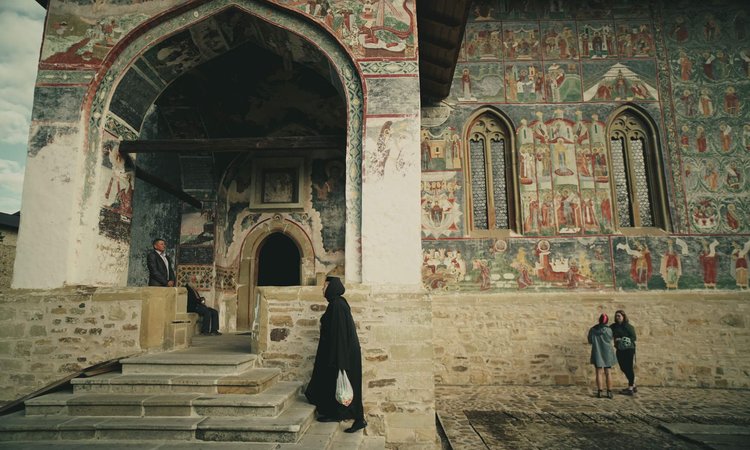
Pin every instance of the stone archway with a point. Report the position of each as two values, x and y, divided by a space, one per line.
115 114
248 270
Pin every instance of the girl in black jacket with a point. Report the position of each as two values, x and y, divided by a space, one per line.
624 335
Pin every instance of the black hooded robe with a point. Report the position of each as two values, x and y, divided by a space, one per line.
338 349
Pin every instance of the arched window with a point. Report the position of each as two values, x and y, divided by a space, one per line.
490 173
637 169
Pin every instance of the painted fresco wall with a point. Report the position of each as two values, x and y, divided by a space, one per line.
558 70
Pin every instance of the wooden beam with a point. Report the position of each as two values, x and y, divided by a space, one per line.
233 145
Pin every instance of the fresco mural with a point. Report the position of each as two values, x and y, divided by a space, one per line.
441 207
620 81
79 34
116 210
516 264
686 65
328 182
370 28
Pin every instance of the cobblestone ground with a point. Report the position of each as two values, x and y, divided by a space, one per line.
550 417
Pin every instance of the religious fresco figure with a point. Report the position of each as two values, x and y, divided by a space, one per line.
425 151
730 215
740 264
705 104
680 31
522 267
568 214
711 176
733 178
711 29
725 136
746 137
685 137
671 266
701 142
483 278
731 102
709 261
686 66
605 208
688 103
640 263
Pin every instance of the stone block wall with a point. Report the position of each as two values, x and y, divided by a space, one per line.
8 240
686 339
395 329
48 335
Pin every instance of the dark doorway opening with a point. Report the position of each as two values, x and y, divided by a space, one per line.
278 262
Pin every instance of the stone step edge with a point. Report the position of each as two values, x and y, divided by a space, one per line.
295 418
276 397
273 400
169 359
240 379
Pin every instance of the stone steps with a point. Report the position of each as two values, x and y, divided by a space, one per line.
211 396
319 436
268 403
285 427
251 381
183 363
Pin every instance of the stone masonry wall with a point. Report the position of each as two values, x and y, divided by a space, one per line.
48 335
7 256
686 339
394 329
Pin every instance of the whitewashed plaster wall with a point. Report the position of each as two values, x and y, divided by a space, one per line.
391 221
52 205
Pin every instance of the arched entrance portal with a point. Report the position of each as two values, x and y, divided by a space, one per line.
184 95
277 245
278 262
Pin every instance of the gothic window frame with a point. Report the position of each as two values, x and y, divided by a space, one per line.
473 132
643 128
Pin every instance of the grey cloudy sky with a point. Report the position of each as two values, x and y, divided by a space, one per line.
21 24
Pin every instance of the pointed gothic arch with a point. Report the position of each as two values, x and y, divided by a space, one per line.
490 172
639 182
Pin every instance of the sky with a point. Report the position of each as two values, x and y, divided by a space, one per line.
21 26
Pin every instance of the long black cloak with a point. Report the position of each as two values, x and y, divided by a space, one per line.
338 349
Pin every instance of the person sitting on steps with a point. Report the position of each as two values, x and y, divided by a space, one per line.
209 317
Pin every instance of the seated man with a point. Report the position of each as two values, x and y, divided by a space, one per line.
210 317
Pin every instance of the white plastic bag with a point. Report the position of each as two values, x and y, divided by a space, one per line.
344 391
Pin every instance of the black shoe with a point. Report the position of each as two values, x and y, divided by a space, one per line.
599 393
205 334
627 392
609 394
356 426
215 333
327 419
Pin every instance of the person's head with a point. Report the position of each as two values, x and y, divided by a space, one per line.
159 244
621 317
333 287
603 319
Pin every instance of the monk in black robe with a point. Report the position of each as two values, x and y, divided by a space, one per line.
338 349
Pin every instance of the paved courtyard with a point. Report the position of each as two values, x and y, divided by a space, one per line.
549 417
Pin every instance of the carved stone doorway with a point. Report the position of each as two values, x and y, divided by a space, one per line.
276 252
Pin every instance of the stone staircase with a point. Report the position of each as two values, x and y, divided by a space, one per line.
203 397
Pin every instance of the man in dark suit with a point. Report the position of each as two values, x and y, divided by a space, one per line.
210 317
160 269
